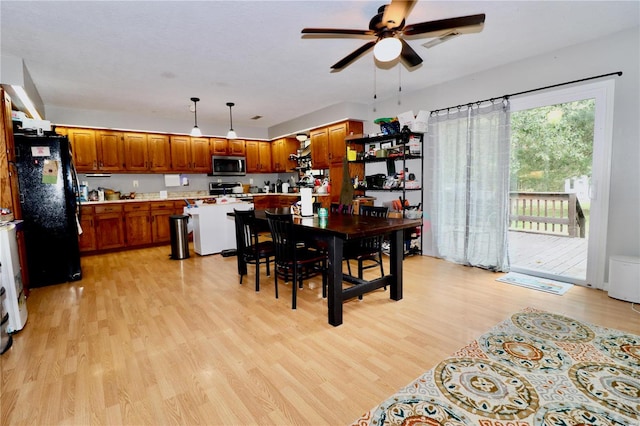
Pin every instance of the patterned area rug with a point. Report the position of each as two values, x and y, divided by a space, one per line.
535 368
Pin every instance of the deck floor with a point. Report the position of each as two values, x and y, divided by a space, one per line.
557 255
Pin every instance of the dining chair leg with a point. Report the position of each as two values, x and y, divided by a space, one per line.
258 275
349 266
275 273
294 287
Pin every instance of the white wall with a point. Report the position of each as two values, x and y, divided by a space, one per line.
619 52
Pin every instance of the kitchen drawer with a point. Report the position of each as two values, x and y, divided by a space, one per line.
162 205
86 210
111 208
136 207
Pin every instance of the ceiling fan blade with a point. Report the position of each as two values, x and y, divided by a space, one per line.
409 55
396 12
352 56
463 24
336 31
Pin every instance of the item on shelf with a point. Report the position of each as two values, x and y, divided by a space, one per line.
376 181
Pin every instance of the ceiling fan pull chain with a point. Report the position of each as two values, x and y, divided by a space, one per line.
399 84
375 96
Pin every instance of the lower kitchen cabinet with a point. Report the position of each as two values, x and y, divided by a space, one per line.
137 222
109 226
87 240
117 226
160 212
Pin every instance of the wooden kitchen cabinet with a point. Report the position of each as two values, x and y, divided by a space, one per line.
180 153
280 150
87 240
159 152
160 212
337 135
190 154
110 148
136 152
218 146
109 226
328 143
200 155
137 222
258 155
235 147
232 147
320 148
97 151
144 152
83 146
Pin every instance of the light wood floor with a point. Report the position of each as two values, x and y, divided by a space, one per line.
147 340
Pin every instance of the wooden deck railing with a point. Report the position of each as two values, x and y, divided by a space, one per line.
556 213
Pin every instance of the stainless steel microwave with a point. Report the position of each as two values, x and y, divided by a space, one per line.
228 166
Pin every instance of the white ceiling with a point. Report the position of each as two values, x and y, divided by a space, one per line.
151 57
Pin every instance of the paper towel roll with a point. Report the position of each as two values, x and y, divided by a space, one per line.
306 201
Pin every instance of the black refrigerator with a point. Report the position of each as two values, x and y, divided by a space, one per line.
48 191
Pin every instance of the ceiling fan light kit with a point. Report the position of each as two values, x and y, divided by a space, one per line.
195 132
387 49
388 28
231 134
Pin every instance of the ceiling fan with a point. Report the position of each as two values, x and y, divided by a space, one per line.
388 27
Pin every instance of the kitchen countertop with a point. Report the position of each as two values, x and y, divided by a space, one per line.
191 197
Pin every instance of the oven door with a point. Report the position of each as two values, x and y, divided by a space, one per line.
228 166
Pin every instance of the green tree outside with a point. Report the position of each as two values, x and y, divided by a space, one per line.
550 144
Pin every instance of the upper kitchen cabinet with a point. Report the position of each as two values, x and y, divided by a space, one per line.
200 155
180 153
97 151
83 144
136 152
258 155
159 153
234 147
280 151
320 148
190 154
337 134
328 143
110 148
218 146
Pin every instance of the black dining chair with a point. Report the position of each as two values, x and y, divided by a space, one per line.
367 249
294 261
341 208
249 247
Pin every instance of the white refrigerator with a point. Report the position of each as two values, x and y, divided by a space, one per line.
15 302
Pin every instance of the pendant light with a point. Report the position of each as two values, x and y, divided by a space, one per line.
196 130
231 134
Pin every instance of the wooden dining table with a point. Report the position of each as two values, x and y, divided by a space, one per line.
337 229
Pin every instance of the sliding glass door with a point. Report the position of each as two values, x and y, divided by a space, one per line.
560 166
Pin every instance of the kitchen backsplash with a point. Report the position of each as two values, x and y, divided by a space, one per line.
154 183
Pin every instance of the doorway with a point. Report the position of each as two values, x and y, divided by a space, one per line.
560 181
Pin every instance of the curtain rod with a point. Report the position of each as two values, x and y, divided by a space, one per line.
618 73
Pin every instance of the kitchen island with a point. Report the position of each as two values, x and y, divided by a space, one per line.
213 230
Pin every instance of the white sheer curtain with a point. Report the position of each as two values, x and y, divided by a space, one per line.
468 160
